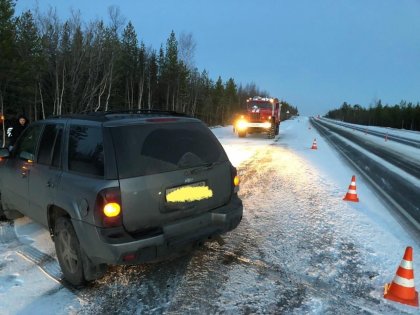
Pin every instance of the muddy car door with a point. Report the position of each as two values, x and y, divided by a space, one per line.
45 172
17 170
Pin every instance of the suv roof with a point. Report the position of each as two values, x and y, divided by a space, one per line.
121 114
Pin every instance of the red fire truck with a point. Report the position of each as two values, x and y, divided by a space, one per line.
262 116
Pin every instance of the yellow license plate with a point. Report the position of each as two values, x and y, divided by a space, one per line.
189 193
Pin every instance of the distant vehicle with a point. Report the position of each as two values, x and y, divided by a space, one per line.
262 116
120 187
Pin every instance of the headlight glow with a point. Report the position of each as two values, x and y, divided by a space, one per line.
241 125
266 125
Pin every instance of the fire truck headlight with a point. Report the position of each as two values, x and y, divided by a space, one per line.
241 124
267 125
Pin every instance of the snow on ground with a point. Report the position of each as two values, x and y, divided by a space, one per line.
337 173
368 221
25 289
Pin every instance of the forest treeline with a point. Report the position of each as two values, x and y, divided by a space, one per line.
53 67
404 115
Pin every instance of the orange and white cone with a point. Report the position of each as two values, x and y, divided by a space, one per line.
314 146
402 288
351 193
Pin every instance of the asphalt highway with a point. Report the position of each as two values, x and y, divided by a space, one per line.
401 195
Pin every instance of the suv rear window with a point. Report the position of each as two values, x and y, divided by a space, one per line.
155 148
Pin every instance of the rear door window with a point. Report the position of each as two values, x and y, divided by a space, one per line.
155 148
86 152
50 139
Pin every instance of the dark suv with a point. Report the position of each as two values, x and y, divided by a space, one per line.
120 187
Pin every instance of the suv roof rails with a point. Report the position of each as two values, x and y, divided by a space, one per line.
145 111
103 115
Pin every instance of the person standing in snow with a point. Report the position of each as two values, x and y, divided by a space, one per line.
17 130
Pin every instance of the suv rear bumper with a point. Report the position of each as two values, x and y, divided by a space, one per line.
115 248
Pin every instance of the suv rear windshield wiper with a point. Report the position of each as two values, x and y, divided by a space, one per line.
204 167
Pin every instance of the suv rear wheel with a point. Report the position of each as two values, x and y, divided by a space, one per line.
76 266
68 251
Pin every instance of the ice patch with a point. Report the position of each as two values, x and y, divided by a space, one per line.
312 306
9 281
26 239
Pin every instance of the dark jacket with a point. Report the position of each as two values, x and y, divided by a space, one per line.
17 130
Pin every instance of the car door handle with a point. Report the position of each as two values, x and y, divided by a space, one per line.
50 184
24 171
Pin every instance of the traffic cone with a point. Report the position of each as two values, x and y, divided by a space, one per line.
314 146
351 193
402 288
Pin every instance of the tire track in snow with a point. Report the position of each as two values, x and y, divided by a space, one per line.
295 243
46 263
136 289
244 253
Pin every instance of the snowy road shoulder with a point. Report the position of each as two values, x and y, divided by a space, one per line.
299 248
376 235
25 288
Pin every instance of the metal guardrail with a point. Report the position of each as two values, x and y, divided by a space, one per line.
407 141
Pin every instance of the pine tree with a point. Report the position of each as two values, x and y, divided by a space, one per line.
29 63
152 70
7 62
172 68
218 105
129 66
231 101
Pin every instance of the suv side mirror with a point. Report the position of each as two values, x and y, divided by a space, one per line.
26 156
4 153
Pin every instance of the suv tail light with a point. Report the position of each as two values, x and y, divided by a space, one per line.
108 207
235 180
112 209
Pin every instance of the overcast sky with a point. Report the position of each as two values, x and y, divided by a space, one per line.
315 54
